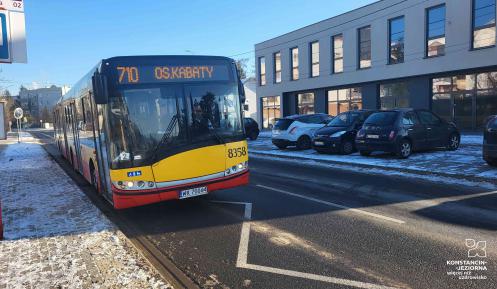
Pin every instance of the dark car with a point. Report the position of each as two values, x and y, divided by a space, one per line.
490 141
251 128
339 134
402 131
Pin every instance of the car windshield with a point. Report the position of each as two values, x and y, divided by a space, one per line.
164 120
344 119
283 124
382 118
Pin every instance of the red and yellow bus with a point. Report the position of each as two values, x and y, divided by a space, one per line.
146 129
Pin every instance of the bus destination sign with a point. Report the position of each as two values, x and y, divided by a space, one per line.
171 73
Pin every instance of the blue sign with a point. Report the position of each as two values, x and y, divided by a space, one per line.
134 174
4 38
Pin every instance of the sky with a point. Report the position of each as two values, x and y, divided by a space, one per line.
66 39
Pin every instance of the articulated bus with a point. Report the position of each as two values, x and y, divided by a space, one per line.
146 129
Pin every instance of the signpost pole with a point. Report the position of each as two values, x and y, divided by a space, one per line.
18 113
18 133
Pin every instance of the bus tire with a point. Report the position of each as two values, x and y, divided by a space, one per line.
93 176
72 158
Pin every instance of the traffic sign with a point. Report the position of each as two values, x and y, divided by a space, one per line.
12 32
18 113
12 5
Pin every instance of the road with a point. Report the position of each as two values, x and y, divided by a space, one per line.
297 226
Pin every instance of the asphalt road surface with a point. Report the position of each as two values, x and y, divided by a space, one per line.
299 226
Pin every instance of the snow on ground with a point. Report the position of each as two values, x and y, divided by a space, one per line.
467 161
54 236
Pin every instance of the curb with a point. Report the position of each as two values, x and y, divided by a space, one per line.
1 224
420 173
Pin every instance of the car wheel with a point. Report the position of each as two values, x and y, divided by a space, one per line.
281 147
405 149
253 135
365 153
347 147
304 143
454 141
491 162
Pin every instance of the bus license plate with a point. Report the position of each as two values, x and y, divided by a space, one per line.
193 192
374 136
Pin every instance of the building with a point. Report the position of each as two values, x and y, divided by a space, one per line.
35 101
433 54
249 85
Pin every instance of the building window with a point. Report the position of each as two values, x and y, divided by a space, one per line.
337 47
295 63
271 110
305 103
483 23
365 47
343 100
262 70
435 33
396 28
394 95
315 59
468 100
277 67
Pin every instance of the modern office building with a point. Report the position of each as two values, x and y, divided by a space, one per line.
433 54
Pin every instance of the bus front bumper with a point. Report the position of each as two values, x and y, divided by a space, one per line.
125 199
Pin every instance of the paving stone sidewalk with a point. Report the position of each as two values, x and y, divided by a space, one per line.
54 236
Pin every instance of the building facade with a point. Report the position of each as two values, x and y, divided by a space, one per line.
250 85
432 54
38 103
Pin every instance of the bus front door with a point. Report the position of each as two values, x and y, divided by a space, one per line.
76 128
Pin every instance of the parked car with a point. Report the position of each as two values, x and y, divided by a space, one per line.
402 131
490 141
339 134
297 130
251 128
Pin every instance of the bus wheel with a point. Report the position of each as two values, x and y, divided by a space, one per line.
72 159
93 176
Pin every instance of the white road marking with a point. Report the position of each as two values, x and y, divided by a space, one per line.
241 261
47 135
378 216
315 277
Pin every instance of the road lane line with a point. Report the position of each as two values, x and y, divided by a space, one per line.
374 215
315 277
49 136
241 261
245 235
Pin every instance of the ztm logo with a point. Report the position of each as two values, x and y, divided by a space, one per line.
476 249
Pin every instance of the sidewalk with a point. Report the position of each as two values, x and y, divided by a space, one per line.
54 236
465 163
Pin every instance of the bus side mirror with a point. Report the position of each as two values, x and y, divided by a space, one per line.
241 90
100 90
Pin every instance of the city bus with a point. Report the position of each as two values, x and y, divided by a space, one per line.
146 129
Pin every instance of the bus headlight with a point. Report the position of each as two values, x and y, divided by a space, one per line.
236 169
134 185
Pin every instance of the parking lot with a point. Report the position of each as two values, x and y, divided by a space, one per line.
464 163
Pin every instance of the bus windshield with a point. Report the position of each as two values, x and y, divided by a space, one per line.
149 123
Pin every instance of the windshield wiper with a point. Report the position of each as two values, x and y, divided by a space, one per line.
217 136
166 135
